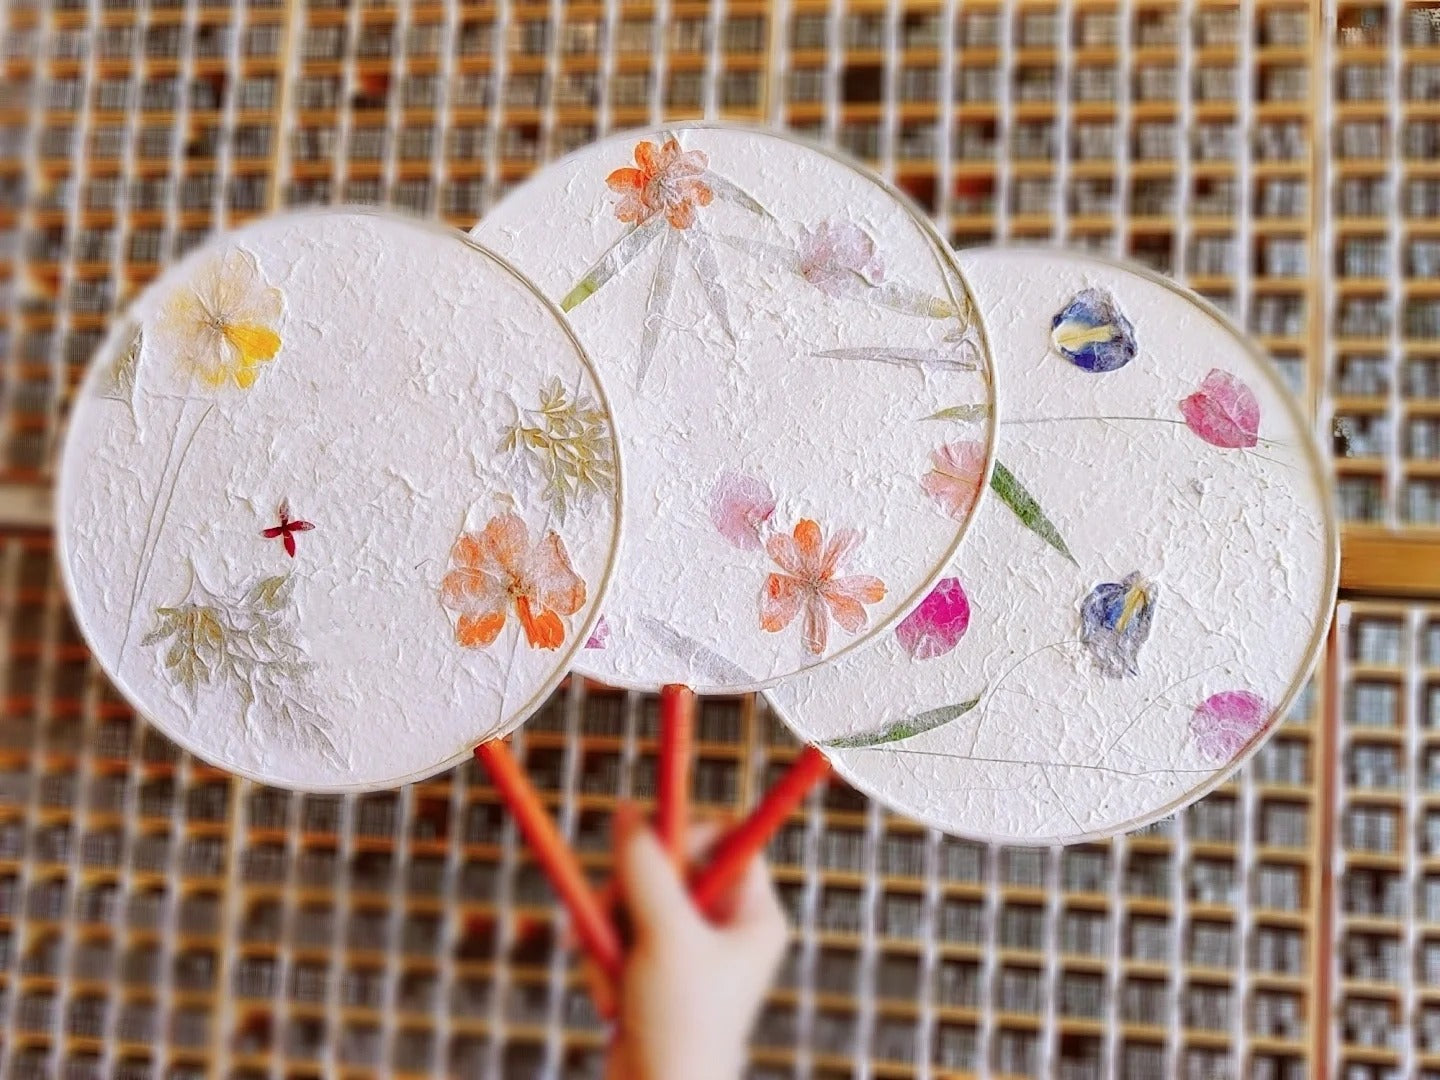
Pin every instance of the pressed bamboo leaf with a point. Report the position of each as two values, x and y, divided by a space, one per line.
120 379
961 413
772 256
934 359
661 289
733 193
615 259
707 269
907 728
1013 494
699 657
911 301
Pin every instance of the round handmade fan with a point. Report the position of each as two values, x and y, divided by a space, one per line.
339 499
774 325
1140 601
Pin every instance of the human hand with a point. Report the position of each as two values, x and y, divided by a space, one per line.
691 988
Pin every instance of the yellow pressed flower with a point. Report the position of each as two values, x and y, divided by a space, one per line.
223 321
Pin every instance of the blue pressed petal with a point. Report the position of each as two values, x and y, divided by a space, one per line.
1093 333
1115 621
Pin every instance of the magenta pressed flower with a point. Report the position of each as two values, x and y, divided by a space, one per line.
938 624
1223 411
1223 724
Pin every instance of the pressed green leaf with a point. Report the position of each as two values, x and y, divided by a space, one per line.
772 256
935 359
120 383
658 303
167 623
962 413
1013 494
712 282
616 257
270 592
574 454
586 288
911 301
907 728
732 192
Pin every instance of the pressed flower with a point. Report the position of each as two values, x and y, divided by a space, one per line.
836 254
957 472
249 644
665 180
1223 411
809 584
740 506
568 438
599 637
120 378
1093 333
498 569
287 528
223 321
1223 724
938 624
1115 621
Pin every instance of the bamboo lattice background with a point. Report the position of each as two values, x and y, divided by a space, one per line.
160 919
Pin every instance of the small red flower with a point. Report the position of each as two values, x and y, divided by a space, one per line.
287 528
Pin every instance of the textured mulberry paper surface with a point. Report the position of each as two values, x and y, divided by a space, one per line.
772 324
269 482
1115 637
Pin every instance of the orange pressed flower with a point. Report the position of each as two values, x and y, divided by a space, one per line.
667 179
497 568
809 582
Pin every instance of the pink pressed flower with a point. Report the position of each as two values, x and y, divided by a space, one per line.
957 470
1223 724
938 624
740 506
599 637
809 584
1223 411
835 254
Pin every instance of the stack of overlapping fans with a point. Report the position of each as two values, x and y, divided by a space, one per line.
703 409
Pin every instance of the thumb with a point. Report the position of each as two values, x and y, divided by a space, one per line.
654 892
